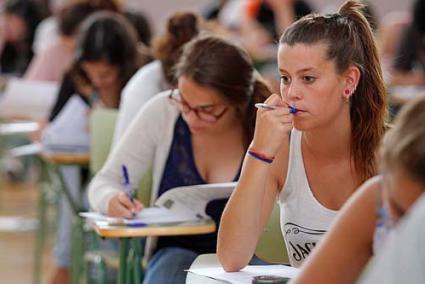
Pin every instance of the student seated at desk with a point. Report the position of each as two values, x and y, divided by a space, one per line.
195 134
403 256
157 76
362 227
312 159
53 61
106 58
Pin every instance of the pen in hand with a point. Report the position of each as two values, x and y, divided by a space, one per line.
266 106
128 189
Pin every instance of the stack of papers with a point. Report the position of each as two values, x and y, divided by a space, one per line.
247 274
28 99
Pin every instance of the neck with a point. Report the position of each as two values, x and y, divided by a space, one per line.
110 97
332 141
231 127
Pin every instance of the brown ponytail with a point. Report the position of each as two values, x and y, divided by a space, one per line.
181 28
350 42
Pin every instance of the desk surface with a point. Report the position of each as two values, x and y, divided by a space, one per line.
203 261
66 158
190 228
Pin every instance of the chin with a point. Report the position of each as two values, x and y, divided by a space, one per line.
196 130
298 125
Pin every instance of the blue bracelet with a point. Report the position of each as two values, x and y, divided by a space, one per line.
259 157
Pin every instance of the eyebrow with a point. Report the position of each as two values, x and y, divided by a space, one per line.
196 107
298 71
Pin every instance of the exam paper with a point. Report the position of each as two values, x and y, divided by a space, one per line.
246 275
180 204
28 99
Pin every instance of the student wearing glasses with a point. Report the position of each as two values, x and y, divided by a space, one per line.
195 134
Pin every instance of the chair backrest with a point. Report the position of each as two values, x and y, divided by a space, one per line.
102 127
271 246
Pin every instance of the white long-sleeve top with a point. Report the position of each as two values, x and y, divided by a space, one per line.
145 143
144 85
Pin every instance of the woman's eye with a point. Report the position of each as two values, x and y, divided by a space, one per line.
309 79
285 80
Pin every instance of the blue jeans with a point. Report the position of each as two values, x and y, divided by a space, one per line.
168 265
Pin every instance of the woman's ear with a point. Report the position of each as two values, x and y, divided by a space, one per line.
352 78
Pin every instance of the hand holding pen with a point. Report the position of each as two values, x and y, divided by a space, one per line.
273 125
124 204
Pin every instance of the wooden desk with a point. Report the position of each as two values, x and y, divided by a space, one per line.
66 158
130 248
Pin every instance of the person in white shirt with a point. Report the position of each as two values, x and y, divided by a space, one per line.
362 228
317 144
403 256
197 134
157 76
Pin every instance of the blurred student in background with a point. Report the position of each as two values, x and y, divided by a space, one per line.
50 63
403 255
409 60
106 57
19 20
158 75
180 133
376 207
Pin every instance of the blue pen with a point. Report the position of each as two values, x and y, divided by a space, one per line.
127 185
136 225
292 109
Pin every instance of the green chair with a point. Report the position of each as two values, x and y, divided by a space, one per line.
102 127
271 246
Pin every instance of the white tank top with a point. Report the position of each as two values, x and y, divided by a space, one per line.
303 219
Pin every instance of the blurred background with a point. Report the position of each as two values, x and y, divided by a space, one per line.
21 178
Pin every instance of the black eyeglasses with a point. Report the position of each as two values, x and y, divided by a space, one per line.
204 113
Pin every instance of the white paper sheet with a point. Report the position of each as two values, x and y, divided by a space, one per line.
28 99
180 204
247 274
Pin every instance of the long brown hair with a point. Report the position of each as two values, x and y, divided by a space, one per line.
350 42
181 28
219 64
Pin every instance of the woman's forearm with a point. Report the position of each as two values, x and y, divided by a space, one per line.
245 215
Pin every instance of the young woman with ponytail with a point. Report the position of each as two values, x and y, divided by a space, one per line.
196 133
319 154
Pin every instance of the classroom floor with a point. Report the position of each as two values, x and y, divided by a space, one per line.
17 248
